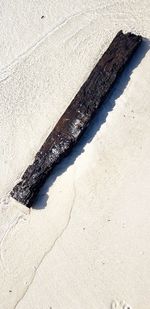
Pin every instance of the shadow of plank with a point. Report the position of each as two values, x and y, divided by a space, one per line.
95 124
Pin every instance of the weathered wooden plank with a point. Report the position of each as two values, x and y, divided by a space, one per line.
77 116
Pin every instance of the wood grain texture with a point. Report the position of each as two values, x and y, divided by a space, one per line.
77 116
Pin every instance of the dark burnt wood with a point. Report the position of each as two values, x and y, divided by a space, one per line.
76 117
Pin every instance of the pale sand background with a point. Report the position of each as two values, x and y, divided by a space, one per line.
86 245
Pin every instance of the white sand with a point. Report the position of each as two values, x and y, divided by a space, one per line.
86 245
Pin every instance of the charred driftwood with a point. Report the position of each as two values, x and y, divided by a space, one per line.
77 116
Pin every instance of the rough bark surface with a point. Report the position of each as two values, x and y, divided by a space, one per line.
76 117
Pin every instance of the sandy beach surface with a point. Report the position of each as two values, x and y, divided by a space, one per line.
85 244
